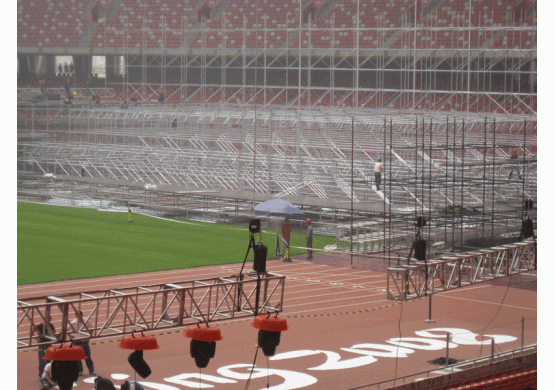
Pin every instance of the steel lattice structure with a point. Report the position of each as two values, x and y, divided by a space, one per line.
297 152
457 170
297 99
120 311
460 270
474 56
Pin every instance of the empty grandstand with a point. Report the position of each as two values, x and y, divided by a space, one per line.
205 108
253 99
477 56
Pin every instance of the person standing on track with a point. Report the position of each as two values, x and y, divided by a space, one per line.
378 168
514 167
309 232
82 341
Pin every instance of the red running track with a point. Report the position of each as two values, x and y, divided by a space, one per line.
343 331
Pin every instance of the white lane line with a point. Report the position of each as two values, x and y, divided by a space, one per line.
158 277
152 277
335 275
190 273
293 283
331 300
315 298
122 281
146 275
287 313
332 278
308 287
489 303
343 273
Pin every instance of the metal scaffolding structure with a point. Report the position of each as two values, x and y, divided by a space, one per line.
460 270
297 99
457 171
464 60
472 56
116 312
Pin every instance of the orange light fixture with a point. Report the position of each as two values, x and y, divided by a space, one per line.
138 342
269 332
64 353
203 333
268 323
203 343
65 366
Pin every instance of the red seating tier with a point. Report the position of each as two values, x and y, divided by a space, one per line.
51 23
162 23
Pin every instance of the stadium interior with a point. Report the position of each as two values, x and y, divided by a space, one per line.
208 107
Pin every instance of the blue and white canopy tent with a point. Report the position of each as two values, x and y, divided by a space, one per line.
277 208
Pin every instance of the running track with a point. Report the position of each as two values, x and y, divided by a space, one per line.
328 308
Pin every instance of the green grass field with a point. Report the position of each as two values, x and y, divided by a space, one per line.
61 243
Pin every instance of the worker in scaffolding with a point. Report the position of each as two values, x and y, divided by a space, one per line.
378 168
95 99
69 96
515 166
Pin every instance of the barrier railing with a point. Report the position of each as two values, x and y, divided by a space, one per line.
465 365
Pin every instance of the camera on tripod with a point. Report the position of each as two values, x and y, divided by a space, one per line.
419 245
260 250
254 225
420 222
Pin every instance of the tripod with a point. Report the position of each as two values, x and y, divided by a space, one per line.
419 248
260 253
240 288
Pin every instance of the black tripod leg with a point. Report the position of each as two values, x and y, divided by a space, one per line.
257 294
408 262
240 288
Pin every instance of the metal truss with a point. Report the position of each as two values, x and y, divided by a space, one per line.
456 170
303 153
456 271
116 312
424 76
